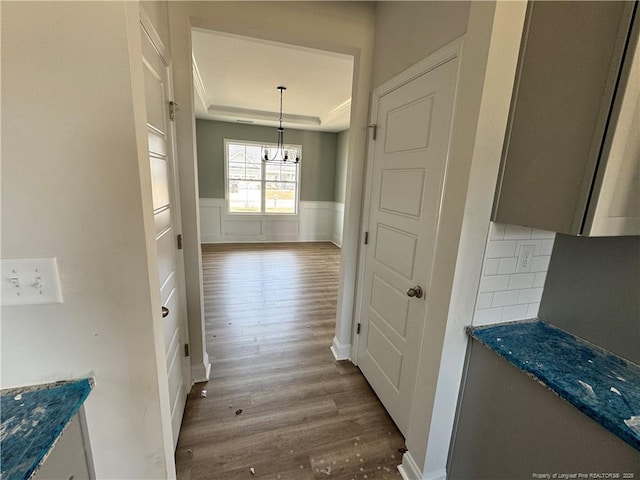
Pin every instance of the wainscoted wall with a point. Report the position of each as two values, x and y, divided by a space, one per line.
337 224
315 222
505 295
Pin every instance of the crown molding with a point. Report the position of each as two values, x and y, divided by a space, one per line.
198 83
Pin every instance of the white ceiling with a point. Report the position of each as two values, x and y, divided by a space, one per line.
235 80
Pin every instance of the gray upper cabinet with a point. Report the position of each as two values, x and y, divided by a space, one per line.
572 150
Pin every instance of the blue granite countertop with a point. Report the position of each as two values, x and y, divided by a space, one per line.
33 419
600 384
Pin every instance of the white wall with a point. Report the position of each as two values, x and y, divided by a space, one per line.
484 95
73 188
315 222
408 31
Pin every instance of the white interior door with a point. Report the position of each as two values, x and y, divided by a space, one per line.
159 131
409 158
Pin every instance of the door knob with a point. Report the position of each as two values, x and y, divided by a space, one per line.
415 291
165 311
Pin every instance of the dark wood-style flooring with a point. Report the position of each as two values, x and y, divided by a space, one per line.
270 318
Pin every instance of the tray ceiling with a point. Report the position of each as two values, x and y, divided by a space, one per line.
236 78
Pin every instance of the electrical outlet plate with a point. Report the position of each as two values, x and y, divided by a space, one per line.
30 281
525 256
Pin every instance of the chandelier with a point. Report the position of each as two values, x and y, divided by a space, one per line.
282 153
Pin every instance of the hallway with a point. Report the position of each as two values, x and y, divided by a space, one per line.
277 401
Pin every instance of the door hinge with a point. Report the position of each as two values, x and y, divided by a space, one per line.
172 109
186 349
375 130
366 238
179 238
358 329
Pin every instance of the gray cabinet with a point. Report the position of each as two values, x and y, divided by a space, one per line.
571 157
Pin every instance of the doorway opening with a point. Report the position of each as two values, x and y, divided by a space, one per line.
277 401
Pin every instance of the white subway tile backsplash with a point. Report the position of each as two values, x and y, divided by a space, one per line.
514 312
530 295
540 264
484 300
502 299
491 266
507 265
517 232
487 316
532 310
496 231
541 277
501 248
521 280
537 244
505 295
543 234
547 247
494 283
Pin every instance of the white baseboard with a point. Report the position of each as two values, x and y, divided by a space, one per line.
440 474
409 470
200 373
208 238
340 350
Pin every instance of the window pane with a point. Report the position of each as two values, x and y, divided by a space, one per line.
250 179
237 170
254 172
280 197
272 171
235 151
281 172
253 155
244 196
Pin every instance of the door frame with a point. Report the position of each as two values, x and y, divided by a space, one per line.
146 28
163 52
433 61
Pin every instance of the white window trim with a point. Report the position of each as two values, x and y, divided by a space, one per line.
263 181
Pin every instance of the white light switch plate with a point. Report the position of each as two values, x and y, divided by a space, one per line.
30 281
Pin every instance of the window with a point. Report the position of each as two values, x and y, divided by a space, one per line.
257 187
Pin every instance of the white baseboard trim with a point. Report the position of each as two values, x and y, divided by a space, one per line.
440 474
340 350
337 241
409 470
200 373
210 238
313 237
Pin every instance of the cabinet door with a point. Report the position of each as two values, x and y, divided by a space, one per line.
615 205
569 62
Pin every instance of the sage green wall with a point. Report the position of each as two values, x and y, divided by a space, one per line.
318 156
342 152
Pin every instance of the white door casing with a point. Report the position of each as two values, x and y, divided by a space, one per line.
408 161
166 217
